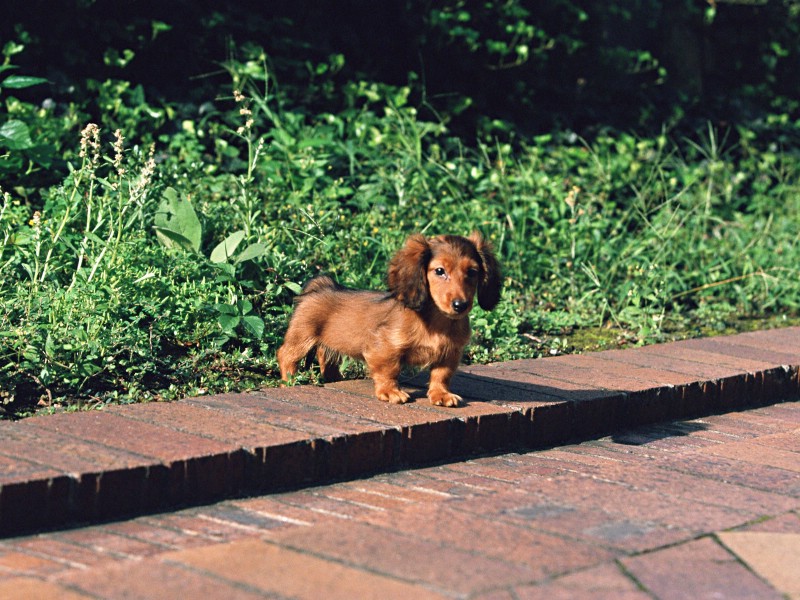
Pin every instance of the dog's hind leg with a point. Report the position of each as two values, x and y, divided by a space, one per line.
328 364
296 345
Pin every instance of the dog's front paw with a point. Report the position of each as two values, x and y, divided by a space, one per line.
394 396
443 398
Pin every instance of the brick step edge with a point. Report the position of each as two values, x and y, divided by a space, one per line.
76 468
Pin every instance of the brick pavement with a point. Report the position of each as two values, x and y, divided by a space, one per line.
706 507
602 517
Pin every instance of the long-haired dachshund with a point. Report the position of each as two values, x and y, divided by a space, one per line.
423 320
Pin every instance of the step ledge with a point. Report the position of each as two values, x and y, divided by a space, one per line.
59 470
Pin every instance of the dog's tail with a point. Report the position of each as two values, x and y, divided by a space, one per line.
315 285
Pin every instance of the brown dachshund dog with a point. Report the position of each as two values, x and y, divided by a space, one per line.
423 320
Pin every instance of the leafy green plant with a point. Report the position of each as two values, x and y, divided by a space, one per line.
155 272
176 223
17 144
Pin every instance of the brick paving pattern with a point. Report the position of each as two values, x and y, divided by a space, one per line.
687 486
705 507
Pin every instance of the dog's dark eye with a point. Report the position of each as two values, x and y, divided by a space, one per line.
440 272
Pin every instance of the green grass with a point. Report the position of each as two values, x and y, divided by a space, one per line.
153 274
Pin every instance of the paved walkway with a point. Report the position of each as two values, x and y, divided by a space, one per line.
695 504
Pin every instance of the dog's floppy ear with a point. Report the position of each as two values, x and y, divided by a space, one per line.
491 282
408 272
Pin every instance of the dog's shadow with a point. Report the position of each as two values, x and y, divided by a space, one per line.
580 412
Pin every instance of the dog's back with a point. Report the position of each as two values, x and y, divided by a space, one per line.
338 317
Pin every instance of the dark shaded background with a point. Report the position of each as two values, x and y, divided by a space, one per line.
723 62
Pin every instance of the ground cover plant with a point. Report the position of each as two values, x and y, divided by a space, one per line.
151 250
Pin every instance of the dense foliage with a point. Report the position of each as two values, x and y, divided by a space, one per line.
154 226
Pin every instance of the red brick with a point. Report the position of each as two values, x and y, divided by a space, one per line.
61 452
357 495
197 468
341 445
31 496
746 502
365 388
445 524
273 507
753 453
730 347
743 425
539 388
664 361
283 465
711 386
115 431
786 523
16 563
424 479
69 555
427 442
688 350
729 469
335 399
503 468
647 376
278 408
605 581
23 588
781 340
480 426
788 441
107 544
271 569
154 580
400 556
473 427
207 422
648 395
488 385
779 383
501 594
150 531
787 413
355 454
467 484
584 368
696 569
620 515
317 501
553 423
559 410
239 518
195 529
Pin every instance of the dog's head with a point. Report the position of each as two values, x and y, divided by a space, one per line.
446 271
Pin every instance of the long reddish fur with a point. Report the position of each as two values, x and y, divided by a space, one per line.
423 319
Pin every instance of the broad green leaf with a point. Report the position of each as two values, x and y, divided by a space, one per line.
177 216
312 143
226 309
245 306
251 252
17 82
283 138
228 322
225 249
15 135
253 325
172 239
293 287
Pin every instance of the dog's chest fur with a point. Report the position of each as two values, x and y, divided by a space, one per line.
441 341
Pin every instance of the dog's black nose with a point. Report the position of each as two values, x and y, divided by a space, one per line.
460 305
